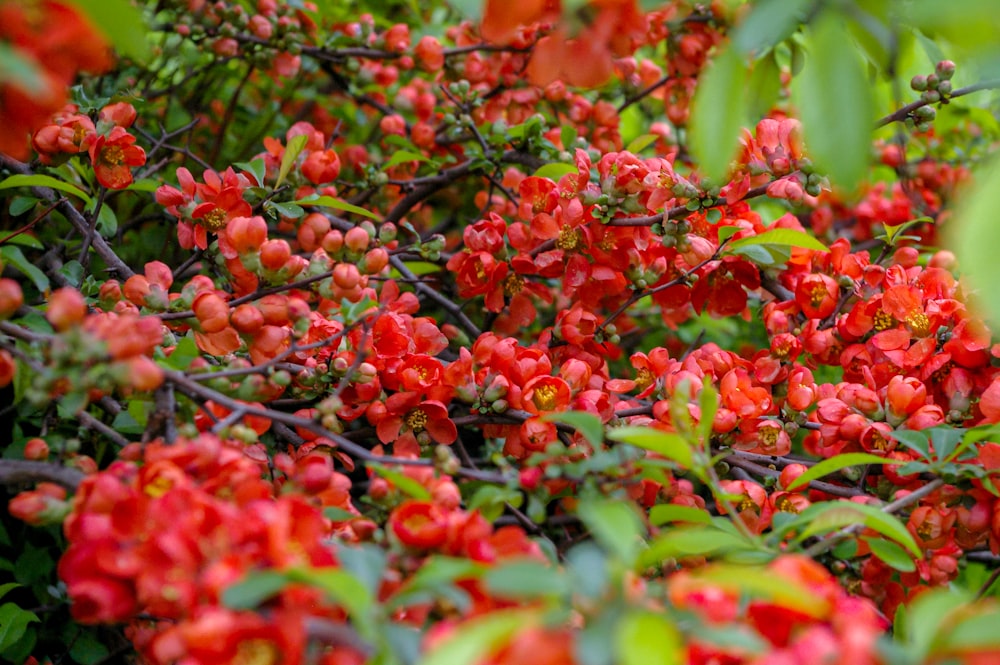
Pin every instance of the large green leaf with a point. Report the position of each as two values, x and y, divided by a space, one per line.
835 102
670 445
474 639
770 22
717 113
648 638
257 587
122 23
836 463
13 624
35 180
20 71
337 204
614 524
976 235
587 424
826 517
692 541
526 578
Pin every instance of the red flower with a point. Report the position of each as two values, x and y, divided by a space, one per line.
420 525
113 156
817 296
405 410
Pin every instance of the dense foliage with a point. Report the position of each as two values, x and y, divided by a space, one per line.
507 332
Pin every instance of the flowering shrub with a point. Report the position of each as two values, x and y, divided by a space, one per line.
569 333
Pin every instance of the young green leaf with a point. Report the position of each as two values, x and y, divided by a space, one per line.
786 237
554 171
295 146
403 483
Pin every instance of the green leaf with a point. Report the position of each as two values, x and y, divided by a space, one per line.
21 72
759 583
666 513
836 463
526 578
491 500
22 180
925 617
12 255
340 586
915 441
708 405
826 517
615 525
472 640
973 633
764 86
337 204
401 156
648 638
554 171
257 168
403 483
670 445
184 353
87 649
891 554
122 23
295 146
436 573
18 206
692 541
5 588
641 142
784 237
366 562
974 236
257 587
836 105
770 22
13 623
587 424
717 113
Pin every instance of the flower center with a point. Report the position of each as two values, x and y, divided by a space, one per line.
214 220
568 238
113 155
416 420
919 323
785 505
817 295
257 652
768 436
545 398
513 284
644 378
882 321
